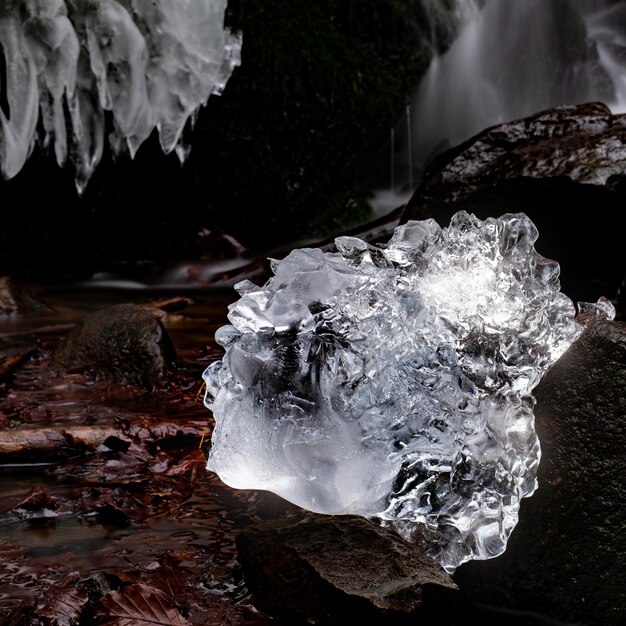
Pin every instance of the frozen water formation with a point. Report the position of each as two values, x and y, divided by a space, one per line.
64 63
395 381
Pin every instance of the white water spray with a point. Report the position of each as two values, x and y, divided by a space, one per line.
607 28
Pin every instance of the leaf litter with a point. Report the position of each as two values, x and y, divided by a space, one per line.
126 527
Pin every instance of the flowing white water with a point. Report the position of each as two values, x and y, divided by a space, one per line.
514 58
607 27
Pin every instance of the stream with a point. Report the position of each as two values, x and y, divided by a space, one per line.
178 520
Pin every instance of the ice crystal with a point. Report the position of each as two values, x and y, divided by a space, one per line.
151 63
395 381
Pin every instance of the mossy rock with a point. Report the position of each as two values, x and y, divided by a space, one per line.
124 344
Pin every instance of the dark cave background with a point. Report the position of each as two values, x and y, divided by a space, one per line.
288 151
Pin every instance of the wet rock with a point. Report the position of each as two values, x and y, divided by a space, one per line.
16 300
115 444
565 168
584 143
566 557
36 504
109 514
125 344
339 570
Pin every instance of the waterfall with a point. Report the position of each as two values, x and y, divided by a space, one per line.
65 64
607 28
513 58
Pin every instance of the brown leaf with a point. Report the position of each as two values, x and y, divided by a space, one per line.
114 507
22 614
138 605
169 578
223 611
191 463
8 364
63 602
11 562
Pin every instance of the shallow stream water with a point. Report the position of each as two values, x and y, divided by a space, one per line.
186 520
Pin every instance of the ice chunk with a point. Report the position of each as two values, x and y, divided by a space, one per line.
588 312
395 381
151 63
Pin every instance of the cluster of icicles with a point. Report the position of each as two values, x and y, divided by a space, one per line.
65 63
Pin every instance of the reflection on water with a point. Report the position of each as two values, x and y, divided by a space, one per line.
51 537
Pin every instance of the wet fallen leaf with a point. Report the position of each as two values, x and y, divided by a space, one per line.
23 614
215 610
9 364
117 457
11 560
63 603
144 428
190 464
114 507
138 605
170 578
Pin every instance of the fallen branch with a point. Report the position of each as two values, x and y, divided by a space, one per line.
29 444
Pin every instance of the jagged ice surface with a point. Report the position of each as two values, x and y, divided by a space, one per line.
395 381
151 63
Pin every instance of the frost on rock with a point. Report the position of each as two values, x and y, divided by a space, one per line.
395 381
63 63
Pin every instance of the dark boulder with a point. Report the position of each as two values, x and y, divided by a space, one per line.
566 557
339 570
125 344
566 169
